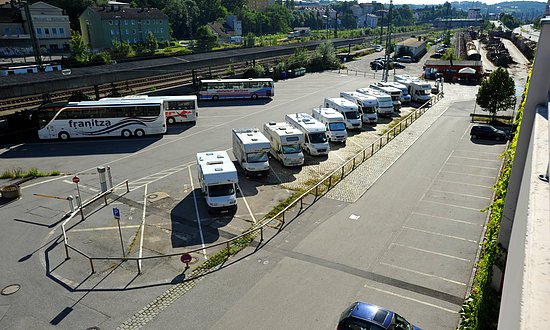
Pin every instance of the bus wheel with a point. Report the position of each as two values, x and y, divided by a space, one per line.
215 97
64 136
170 120
126 133
254 96
139 132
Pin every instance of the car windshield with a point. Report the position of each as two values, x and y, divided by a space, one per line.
256 157
352 115
221 190
291 149
318 137
368 109
353 323
337 126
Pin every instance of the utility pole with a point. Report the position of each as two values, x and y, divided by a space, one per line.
32 32
387 57
336 25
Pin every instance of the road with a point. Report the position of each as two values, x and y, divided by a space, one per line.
527 32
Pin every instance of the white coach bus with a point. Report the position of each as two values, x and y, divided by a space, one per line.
119 117
177 109
251 88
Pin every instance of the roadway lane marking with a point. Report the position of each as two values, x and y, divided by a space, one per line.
246 203
439 234
142 225
452 205
431 252
455 193
448 219
411 299
197 213
468 184
468 174
483 167
424 274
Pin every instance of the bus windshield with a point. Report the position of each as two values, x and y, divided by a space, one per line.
220 190
352 115
291 149
317 138
337 126
256 157
44 117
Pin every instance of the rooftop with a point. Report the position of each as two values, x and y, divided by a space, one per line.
412 42
113 12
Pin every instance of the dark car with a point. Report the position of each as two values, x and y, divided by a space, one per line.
487 132
377 65
361 315
398 65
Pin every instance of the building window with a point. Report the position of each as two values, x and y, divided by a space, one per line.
61 31
112 32
7 31
133 22
135 40
134 32
54 30
127 32
160 21
125 22
147 22
38 30
110 22
18 30
46 31
161 30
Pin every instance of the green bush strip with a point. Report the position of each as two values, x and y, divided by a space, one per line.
18 173
481 308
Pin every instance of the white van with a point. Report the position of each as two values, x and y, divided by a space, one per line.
348 109
250 148
218 179
286 143
385 102
391 91
420 90
368 105
334 123
315 133
405 96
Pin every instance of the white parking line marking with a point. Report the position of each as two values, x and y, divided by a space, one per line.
424 274
197 213
480 159
93 189
464 183
431 252
142 225
336 154
448 219
357 144
411 299
468 174
247 206
439 234
478 152
452 205
455 193
483 167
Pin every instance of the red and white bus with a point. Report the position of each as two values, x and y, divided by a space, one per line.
253 88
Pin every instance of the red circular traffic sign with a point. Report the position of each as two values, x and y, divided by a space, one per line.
76 179
186 258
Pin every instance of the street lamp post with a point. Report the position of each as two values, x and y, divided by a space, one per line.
88 33
119 32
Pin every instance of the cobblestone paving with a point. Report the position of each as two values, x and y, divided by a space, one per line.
359 181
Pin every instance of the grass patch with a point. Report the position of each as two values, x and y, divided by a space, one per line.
18 173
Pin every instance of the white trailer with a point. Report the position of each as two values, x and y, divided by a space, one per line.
334 123
420 90
391 91
385 102
315 133
368 105
218 179
348 109
251 148
405 96
286 143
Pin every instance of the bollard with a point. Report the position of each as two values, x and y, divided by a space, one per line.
109 176
71 205
102 179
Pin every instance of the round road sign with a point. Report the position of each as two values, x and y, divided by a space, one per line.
186 258
76 179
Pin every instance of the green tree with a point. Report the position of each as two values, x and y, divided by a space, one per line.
121 50
151 42
497 92
509 21
206 39
250 40
79 49
324 57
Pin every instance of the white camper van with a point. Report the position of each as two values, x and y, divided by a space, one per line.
286 143
348 109
250 148
420 90
368 105
405 96
385 102
218 179
334 123
315 133
391 91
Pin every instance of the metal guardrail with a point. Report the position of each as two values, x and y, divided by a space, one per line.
317 190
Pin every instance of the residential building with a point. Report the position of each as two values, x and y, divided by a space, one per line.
14 39
259 5
363 14
52 27
229 31
101 26
474 13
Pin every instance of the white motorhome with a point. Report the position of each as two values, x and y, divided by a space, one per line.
405 96
286 143
385 102
315 133
368 105
218 179
250 148
420 90
334 123
391 91
348 109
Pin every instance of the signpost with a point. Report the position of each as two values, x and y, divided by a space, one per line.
76 180
116 215
186 259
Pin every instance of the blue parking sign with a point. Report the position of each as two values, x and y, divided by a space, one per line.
116 213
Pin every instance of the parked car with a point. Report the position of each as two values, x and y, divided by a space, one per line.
379 48
436 55
487 132
398 65
405 59
377 65
361 315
